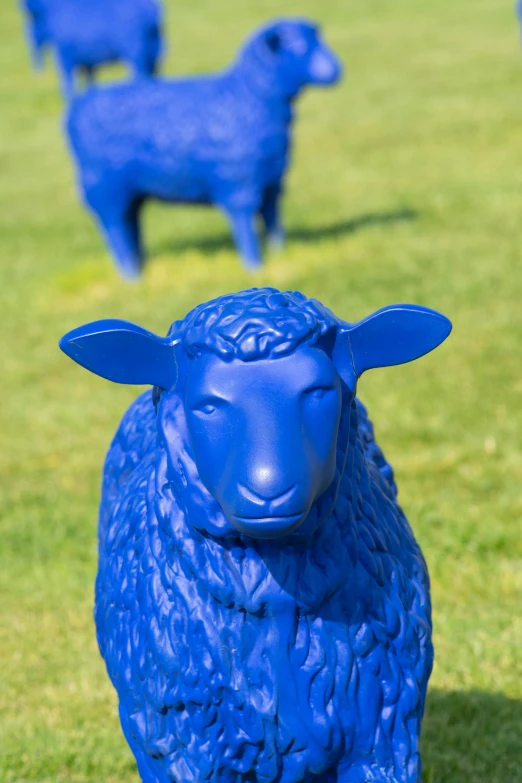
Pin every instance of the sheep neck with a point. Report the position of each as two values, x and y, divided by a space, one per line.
260 81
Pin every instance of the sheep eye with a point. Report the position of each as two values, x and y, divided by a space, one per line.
318 392
273 41
207 407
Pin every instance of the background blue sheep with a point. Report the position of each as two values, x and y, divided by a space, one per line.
221 139
261 603
86 35
37 28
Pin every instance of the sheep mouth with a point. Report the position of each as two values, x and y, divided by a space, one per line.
268 527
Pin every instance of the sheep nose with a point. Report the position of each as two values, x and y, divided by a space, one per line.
263 498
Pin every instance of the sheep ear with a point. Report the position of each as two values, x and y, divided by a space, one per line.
394 335
123 352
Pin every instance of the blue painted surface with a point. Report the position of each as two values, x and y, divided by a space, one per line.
221 139
36 28
87 34
261 603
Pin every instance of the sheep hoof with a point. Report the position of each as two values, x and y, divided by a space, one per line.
275 241
252 264
131 272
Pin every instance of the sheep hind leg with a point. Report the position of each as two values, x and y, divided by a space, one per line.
88 75
123 236
246 238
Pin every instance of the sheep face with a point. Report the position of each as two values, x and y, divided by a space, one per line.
252 389
264 435
294 55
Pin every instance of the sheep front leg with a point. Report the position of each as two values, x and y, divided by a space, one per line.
120 225
243 225
36 45
270 212
144 58
123 237
66 72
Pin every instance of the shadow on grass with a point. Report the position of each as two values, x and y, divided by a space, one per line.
223 241
472 737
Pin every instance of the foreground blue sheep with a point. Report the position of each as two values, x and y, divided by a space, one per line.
221 139
261 603
88 33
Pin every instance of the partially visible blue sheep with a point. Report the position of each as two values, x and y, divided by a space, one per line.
37 28
261 603
87 34
221 139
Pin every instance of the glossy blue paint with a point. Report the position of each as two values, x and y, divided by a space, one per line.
262 606
127 353
221 139
85 35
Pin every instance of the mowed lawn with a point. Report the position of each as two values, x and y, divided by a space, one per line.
406 186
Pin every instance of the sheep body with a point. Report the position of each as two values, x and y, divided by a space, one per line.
87 35
152 137
221 139
222 674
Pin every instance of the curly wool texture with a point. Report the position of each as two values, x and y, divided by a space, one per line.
237 326
240 660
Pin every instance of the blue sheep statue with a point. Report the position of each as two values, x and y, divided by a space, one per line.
221 139
262 606
36 28
88 33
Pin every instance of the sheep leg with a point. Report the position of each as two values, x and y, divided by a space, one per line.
246 238
67 76
89 71
270 213
122 233
145 64
36 46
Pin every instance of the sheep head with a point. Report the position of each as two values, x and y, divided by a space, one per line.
288 54
263 376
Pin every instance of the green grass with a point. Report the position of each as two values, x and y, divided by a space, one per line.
406 186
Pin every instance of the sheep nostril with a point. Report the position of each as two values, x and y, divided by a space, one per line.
260 498
279 500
